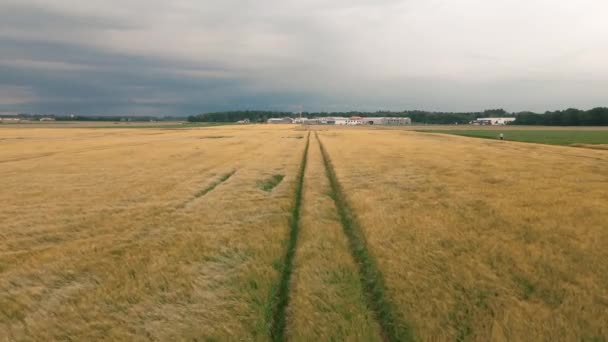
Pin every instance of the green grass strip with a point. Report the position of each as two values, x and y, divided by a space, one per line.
281 299
270 183
551 137
369 274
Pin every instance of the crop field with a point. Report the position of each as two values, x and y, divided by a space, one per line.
280 232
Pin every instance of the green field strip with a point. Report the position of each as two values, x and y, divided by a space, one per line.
393 328
550 137
270 183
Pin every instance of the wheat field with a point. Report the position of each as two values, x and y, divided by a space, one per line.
482 240
103 235
265 232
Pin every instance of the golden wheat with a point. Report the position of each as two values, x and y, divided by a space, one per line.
327 302
92 245
163 234
482 240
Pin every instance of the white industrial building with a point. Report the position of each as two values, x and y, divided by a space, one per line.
10 118
389 121
492 121
337 121
357 120
280 121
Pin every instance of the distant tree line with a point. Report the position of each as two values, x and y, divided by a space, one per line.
570 117
233 116
117 118
416 115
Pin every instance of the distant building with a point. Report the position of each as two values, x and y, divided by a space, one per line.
354 120
357 120
280 121
10 118
388 121
313 121
492 121
338 121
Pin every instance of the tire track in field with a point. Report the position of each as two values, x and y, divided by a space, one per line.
208 188
281 295
393 328
126 236
222 179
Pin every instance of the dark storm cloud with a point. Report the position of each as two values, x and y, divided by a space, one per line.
160 57
79 79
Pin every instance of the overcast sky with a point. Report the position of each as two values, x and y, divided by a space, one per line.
191 56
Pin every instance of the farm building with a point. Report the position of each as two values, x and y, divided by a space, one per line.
394 121
323 121
280 121
492 121
357 120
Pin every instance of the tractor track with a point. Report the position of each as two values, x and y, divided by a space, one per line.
393 328
281 295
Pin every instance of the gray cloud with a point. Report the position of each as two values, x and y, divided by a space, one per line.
164 57
40 18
